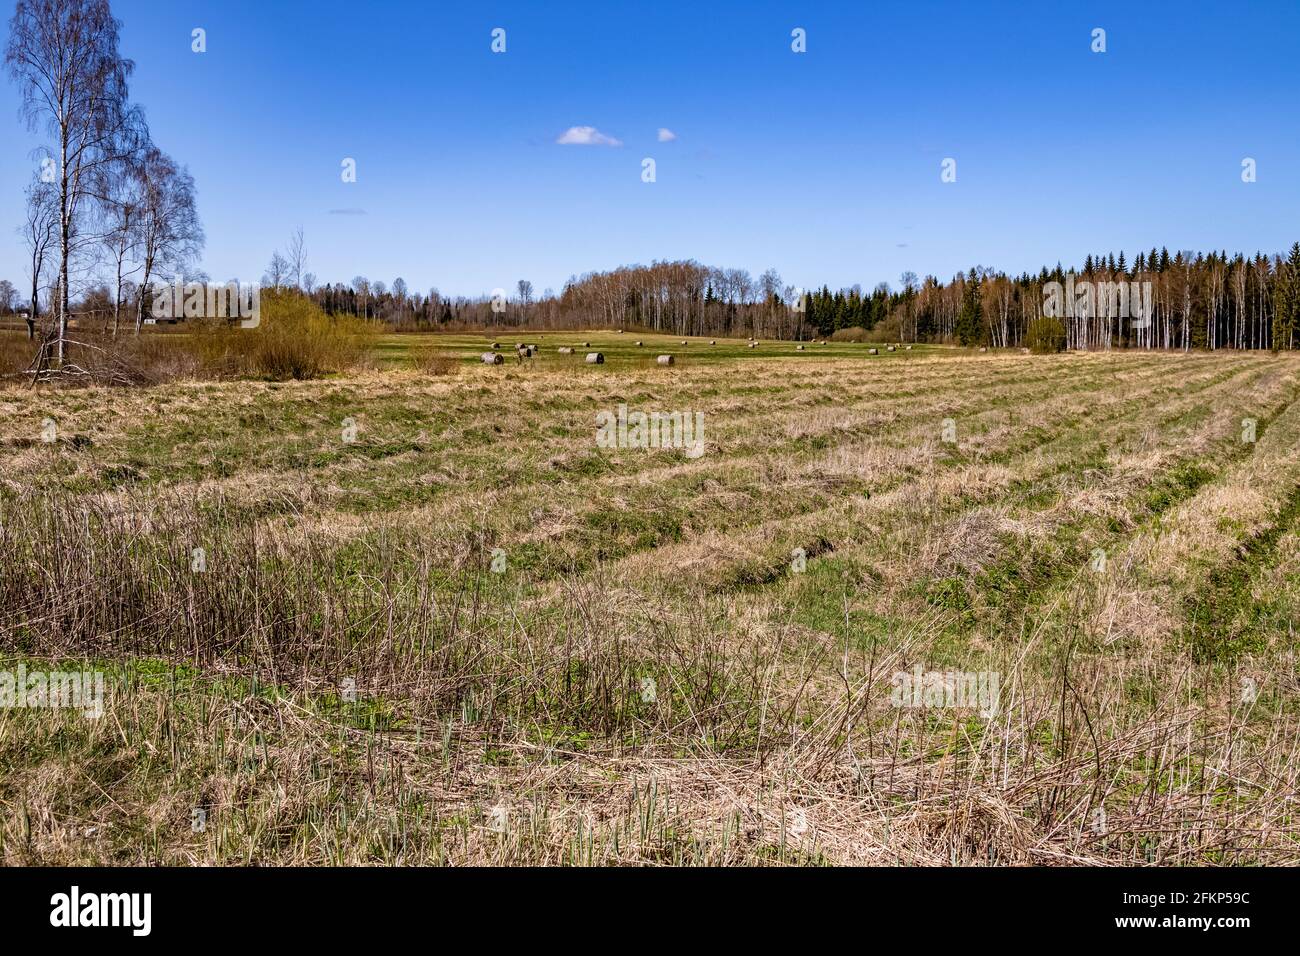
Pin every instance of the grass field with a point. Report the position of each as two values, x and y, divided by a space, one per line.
434 622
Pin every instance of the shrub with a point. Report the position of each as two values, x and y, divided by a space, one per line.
295 339
854 334
430 362
1045 335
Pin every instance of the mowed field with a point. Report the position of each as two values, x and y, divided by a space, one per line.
434 622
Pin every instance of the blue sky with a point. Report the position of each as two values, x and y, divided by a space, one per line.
825 165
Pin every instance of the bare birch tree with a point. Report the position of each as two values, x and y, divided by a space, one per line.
296 258
170 235
40 231
63 54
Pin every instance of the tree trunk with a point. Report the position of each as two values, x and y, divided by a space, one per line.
117 298
35 312
139 299
65 299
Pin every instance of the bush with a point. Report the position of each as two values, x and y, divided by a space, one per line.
433 363
854 334
294 340
1045 335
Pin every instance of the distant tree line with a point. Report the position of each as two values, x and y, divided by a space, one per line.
1209 301
1197 301
684 298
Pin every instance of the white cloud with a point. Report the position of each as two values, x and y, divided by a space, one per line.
586 136
666 135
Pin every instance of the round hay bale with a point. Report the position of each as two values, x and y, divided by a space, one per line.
565 350
889 348
907 348
683 341
752 345
496 345
492 358
586 345
983 349
873 351
665 360
798 348
713 341
638 342
595 358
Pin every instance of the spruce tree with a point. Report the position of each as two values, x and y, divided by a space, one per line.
970 318
1286 301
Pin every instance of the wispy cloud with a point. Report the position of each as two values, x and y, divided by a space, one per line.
666 135
586 136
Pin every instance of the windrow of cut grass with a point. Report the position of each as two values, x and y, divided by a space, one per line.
918 479
1028 546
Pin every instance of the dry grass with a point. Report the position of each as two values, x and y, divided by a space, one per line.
94 357
650 680
433 362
